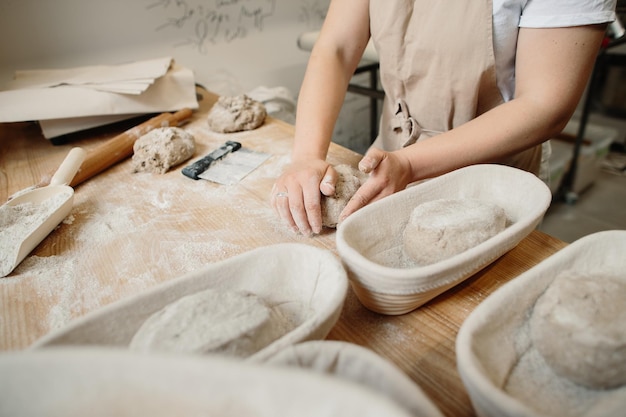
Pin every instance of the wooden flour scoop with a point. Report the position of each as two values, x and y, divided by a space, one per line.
28 218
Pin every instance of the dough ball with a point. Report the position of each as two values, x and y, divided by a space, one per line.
237 113
231 323
162 148
440 229
349 180
578 326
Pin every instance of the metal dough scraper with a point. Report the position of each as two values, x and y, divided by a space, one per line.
227 165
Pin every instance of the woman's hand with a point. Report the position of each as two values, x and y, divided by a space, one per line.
296 195
389 172
337 52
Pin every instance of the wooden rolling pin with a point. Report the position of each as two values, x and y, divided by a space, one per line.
120 147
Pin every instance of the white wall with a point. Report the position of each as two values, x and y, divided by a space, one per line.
233 46
252 41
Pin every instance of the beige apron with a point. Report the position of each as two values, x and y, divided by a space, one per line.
437 68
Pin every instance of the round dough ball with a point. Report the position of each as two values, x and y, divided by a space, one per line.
578 326
237 113
211 321
440 229
349 180
162 148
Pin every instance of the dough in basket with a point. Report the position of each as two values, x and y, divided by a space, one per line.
439 229
231 323
162 148
578 326
235 114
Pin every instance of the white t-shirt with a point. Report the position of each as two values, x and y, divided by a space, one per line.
510 15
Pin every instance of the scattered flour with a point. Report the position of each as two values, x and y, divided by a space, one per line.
117 247
88 274
61 279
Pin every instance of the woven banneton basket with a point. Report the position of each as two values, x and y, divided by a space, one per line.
104 382
370 240
306 283
498 363
359 365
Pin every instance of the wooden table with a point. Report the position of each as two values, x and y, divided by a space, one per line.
128 232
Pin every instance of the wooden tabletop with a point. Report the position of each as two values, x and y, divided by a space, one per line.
130 231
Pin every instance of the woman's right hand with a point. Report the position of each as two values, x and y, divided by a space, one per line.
296 195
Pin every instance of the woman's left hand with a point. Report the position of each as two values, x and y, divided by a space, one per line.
389 172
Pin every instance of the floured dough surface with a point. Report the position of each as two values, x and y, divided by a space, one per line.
235 114
231 323
440 229
349 180
161 149
578 326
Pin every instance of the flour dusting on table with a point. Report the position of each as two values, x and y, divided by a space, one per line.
129 232
190 233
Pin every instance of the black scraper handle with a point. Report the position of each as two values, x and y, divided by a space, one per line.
194 170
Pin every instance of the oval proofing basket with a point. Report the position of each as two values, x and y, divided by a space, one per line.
359 365
494 350
370 240
104 382
305 282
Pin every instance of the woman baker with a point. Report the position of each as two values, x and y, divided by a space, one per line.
466 82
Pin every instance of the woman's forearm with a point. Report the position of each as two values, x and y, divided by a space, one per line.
552 70
497 134
334 58
320 100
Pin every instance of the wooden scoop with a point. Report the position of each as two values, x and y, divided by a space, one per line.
38 212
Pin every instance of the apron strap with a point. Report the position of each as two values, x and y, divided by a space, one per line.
406 126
